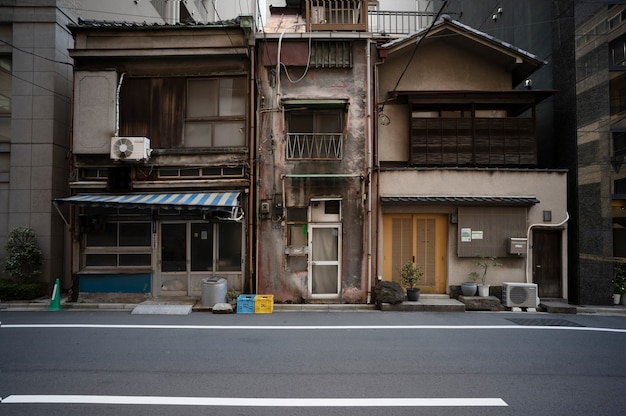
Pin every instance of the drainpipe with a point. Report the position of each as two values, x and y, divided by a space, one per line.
251 165
368 126
117 105
530 227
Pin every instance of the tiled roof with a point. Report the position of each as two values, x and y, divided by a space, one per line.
445 19
461 200
109 24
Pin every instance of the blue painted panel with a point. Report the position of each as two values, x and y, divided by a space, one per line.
115 283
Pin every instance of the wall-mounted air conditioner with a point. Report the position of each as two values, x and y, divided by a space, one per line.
130 148
520 295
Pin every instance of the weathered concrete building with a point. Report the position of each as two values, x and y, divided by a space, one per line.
312 162
160 156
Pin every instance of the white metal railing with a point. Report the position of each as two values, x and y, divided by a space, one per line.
398 23
337 15
326 146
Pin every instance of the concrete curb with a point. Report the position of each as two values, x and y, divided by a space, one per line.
433 305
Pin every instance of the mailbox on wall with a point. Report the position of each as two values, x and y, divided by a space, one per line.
517 245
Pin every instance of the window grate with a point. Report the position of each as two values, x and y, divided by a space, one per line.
315 146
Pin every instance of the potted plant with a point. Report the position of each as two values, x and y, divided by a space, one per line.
484 263
619 284
411 273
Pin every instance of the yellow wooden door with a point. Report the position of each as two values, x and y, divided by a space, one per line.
420 238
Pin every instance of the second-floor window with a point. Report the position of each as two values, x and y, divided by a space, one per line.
315 133
177 112
466 136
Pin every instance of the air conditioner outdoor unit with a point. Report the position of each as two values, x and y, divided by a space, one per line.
130 148
520 295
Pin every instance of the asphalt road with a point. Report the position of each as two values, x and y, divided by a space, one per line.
308 363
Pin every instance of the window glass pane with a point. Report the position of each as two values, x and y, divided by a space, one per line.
101 260
165 172
301 122
173 247
232 96
5 84
325 280
298 235
325 244
198 134
135 234
202 98
619 144
4 167
105 238
135 260
328 123
201 247
5 129
229 247
229 134
190 172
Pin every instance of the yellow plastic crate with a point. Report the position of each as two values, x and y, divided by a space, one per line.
263 303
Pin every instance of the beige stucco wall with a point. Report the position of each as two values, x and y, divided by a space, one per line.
441 68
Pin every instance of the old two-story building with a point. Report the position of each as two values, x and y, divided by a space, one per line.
160 178
456 172
313 146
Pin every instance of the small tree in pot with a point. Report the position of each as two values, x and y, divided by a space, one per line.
411 274
484 263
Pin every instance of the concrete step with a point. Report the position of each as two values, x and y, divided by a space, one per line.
427 303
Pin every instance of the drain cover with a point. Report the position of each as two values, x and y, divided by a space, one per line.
543 322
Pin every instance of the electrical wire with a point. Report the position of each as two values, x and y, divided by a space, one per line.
419 40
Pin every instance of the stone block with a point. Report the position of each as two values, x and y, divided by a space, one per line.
481 303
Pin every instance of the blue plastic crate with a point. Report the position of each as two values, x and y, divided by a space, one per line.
245 304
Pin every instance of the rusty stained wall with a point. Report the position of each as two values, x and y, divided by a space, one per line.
273 275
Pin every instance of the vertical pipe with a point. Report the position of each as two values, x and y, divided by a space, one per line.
368 175
252 178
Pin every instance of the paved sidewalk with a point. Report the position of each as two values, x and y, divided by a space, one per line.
432 304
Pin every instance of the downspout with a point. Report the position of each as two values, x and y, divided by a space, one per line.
368 126
117 105
251 165
530 227
376 164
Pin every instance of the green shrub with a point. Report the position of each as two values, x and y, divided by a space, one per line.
10 290
24 257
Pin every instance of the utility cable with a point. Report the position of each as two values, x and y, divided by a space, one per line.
419 40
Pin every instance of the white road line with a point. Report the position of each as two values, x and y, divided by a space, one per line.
254 401
317 327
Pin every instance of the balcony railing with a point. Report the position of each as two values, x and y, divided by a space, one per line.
495 142
353 15
314 146
394 23
343 15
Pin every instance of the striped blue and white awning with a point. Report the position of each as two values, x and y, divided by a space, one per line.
208 201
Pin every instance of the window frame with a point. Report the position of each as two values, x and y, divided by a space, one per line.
317 144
